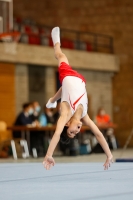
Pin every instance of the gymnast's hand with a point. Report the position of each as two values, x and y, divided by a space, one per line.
48 162
108 162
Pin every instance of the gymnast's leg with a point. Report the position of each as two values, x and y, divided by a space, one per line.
61 57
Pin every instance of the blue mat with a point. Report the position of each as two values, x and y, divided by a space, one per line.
124 160
86 181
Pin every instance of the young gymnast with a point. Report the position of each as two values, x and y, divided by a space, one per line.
73 106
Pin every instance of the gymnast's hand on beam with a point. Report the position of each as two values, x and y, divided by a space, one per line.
108 162
48 162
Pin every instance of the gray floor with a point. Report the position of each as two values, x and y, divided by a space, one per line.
100 157
75 181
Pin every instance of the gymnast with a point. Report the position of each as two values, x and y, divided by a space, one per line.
74 102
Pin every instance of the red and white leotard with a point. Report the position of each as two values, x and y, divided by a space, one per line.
73 88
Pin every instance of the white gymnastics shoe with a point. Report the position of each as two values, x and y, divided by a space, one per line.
51 105
55 35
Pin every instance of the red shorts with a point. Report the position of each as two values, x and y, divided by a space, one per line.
66 70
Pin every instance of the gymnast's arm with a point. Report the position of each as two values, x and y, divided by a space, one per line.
99 136
56 137
64 118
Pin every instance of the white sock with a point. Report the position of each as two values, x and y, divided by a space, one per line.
51 105
55 35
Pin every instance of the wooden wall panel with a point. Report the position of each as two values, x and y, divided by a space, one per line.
7 92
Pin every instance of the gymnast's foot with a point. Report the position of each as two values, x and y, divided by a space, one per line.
55 35
51 105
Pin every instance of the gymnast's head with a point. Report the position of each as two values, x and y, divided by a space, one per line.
71 129
74 127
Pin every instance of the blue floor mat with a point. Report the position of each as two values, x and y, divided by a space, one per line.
75 181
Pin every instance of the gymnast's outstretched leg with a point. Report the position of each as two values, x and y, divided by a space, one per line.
61 57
